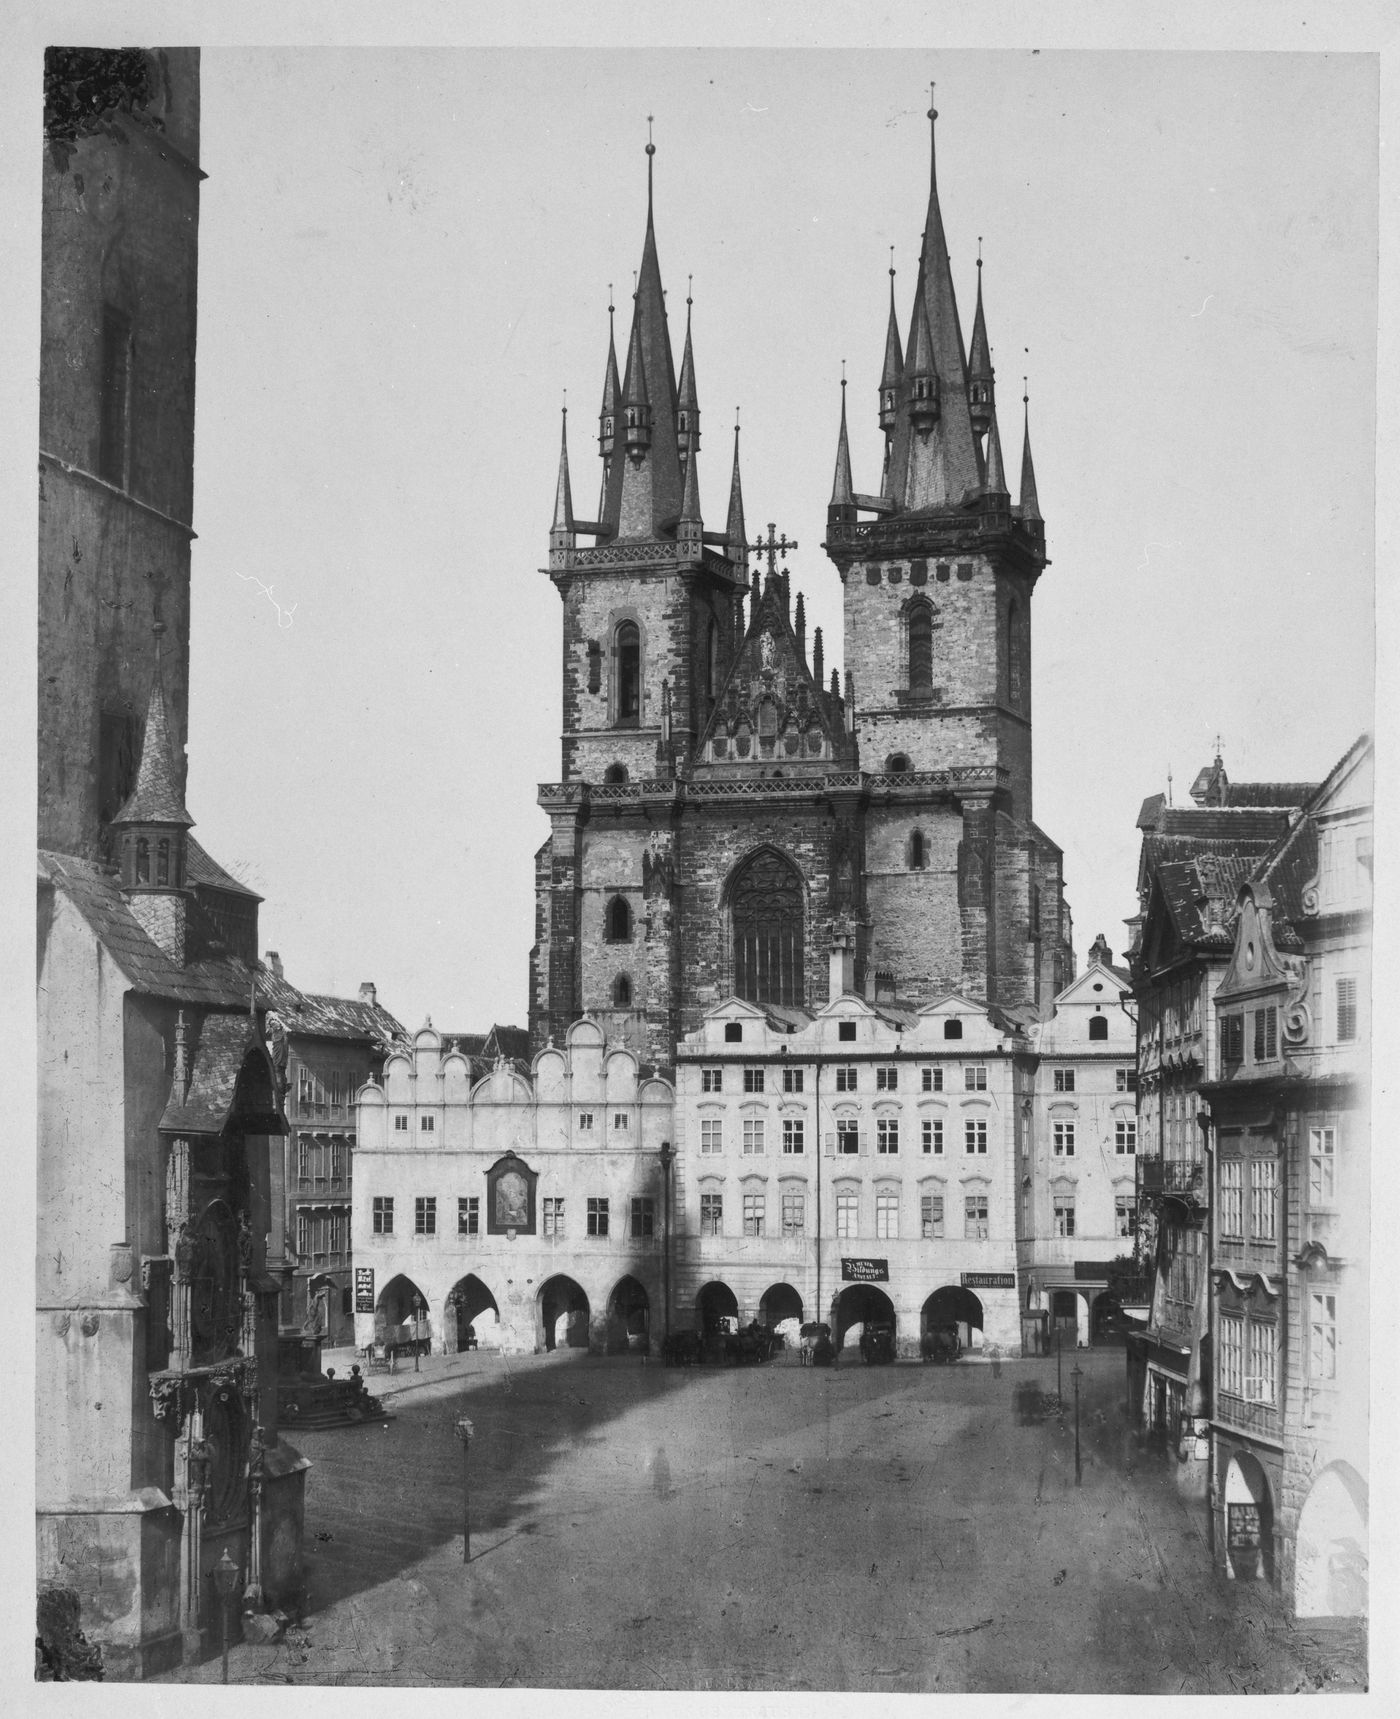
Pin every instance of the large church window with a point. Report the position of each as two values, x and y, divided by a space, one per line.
920 648
766 906
629 674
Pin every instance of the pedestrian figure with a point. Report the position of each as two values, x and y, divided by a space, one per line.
995 1352
661 1473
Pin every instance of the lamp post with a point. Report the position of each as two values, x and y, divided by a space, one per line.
1059 1366
1076 1375
417 1317
464 1430
666 1156
226 1579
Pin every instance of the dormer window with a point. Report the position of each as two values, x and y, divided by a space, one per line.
952 1028
1098 1026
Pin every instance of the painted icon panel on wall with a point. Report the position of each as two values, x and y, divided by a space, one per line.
510 1196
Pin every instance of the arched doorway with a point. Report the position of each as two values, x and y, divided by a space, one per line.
781 1308
398 1300
472 1313
859 1305
1331 1563
714 1304
564 1314
629 1317
1249 1520
952 1306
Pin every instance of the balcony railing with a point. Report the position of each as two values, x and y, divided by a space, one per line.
1178 1178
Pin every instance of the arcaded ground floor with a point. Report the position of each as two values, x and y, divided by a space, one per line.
895 1528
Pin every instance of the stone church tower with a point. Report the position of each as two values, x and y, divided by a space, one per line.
727 823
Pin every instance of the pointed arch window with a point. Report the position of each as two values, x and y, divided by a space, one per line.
918 851
767 910
628 652
622 992
920 648
618 921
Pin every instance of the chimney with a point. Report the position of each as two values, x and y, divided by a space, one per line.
368 994
273 962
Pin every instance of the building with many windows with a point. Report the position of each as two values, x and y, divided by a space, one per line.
524 1207
1192 863
1077 1189
853 1166
1289 1237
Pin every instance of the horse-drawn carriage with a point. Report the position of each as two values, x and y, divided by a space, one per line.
745 1346
941 1343
391 1341
817 1348
877 1343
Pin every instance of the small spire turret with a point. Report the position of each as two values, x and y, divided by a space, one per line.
561 534
735 533
1030 502
893 373
800 628
817 664
994 484
842 502
612 393
981 395
636 404
687 402
922 372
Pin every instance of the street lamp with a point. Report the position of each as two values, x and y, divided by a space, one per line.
417 1319
1059 1368
666 1156
1076 1375
226 1579
464 1430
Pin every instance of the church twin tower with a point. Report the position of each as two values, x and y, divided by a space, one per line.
729 822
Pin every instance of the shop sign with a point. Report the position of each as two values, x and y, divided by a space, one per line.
364 1289
865 1270
1090 1270
989 1280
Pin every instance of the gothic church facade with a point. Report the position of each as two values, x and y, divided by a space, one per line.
728 822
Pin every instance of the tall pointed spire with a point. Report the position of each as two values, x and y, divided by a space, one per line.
690 501
893 373
156 798
612 391
563 495
687 402
1030 502
735 533
980 375
995 481
842 490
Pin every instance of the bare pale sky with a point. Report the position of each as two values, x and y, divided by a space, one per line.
404 262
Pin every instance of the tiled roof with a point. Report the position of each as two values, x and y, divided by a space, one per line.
202 871
156 798
326 1017
1222 823
223 1043
513 1042
1268 793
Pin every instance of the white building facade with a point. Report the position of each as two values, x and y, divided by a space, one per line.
528 1205
858 1166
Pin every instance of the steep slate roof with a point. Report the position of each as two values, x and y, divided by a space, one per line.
218 1057
1269 793
327 1017
156 798
207 873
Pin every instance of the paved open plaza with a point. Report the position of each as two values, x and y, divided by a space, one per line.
894 1528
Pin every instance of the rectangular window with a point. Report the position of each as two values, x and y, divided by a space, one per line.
847 1138
712 1080
1125 1079
383 1216
303 1161
1125 1135
621 1121
553 1217
337 1093
426 1124
794 1214
1064 1214
116 396
1064 1139
845 1079
753 1136
473 1215
753 1214
753 1079
793 1135
931 1216
887 1134
711 1136
305 1245
887 1215
585 1121
975 1217
1261 1384
733 1032
1322 1166
1064 1080
711 1214
1231 1355
401 1124
1124 1215
464 1216
887 1079
1346 1009
643 1218
975 1077
1322 1335
975 1136
1265 1034
845 1030
1263 1201
1232 1038
933 1080
933 1135
597 1217
846 1208
792 1079
1232 1197
425 1215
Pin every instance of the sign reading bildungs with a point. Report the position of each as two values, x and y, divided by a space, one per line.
865 1270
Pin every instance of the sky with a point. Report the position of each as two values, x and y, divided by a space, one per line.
405 258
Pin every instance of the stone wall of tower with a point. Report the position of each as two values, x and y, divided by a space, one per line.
915 925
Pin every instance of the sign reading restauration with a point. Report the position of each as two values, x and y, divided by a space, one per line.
865 1271
989 1280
